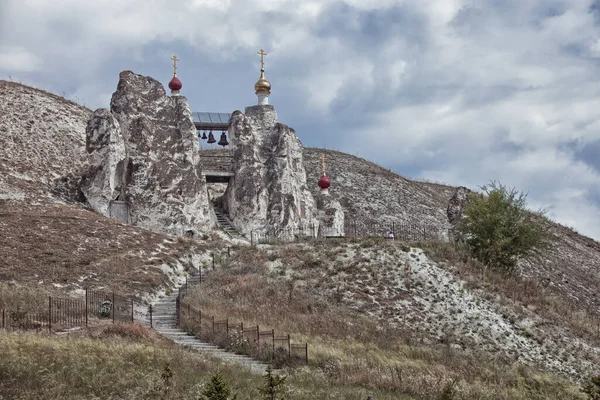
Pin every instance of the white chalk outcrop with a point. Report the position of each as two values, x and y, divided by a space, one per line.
144 152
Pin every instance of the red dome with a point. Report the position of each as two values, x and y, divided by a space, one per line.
324 182
175 84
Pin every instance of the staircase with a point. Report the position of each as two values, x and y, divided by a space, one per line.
227 226
164 321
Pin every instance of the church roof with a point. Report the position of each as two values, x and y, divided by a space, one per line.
210 120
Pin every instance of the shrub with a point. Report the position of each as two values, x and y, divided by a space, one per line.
217 388
274 386
497 228
592 388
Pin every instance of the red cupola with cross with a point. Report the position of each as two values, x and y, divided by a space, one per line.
324 181
175 84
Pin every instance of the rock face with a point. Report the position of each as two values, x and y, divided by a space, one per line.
268 194
144 152
457 204
331 216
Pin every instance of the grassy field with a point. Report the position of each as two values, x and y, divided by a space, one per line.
353 348
129 362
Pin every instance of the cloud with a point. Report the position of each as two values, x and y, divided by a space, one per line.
456 90
18 59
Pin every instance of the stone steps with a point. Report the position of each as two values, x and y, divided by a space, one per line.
226 225
164 320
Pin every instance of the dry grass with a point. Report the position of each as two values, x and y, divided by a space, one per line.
127 361
351 348
530 293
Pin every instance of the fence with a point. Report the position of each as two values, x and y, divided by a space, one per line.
407 232
264 345
66 313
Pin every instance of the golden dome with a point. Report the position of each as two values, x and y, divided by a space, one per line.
262 86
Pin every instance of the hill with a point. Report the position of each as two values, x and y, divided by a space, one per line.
380 314
48 237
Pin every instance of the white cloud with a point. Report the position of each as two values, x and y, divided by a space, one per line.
464 91
18 59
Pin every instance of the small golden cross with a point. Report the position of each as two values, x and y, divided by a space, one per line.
262 58
175 59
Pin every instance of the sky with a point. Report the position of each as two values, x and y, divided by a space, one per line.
457 91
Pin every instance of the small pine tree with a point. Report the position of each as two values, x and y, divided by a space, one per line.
592 388
498 229
274 386
217 388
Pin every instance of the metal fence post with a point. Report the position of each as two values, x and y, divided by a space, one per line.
151 324
113 307
178 310
213 324
131 310
50 313
257 334
306 353
86 307
273 336
289 347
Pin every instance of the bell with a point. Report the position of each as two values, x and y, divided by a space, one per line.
211 138
223 141
204 135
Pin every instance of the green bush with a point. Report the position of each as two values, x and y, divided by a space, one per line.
217 388
592 388
274 386
498 229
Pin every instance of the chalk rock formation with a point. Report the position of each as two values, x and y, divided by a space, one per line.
331 216
144 152
269 193
456 204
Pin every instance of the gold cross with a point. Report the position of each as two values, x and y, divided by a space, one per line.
262 58
175 59
323 164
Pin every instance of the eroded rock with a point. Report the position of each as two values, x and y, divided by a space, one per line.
144 151
269 194
456 204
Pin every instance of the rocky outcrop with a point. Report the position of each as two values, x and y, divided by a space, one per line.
144 152
456 204
268 194
331 216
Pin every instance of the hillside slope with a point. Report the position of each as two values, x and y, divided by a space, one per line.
47 242
375 195
42 138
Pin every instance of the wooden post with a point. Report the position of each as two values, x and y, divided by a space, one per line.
151 324
213 324
113 307
289 347
251 238
213 261
132 310
273 336
257 334
3 326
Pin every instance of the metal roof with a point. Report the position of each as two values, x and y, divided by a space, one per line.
210 118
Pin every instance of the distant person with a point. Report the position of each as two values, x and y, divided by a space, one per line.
390 235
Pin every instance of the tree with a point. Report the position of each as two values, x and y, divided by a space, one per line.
592 388
498 229
274 386
217 388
